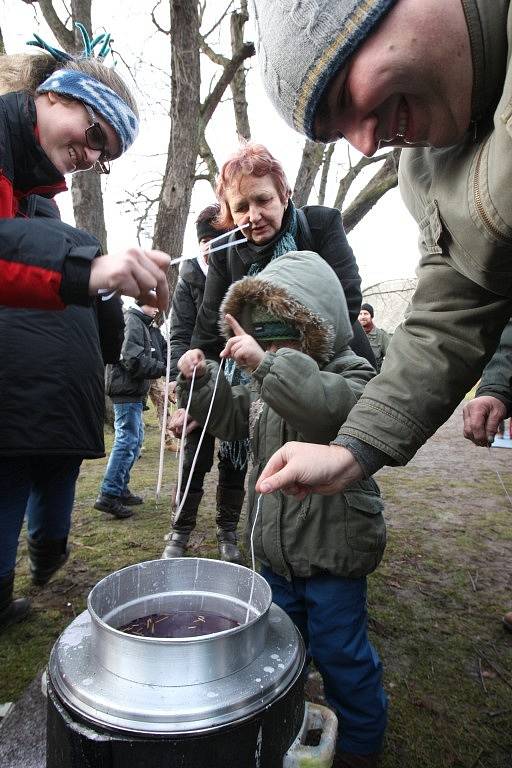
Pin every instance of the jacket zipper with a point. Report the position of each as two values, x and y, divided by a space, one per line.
493 229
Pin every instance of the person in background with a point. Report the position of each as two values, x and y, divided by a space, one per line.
432 77
288 326
127 384
186 303
492 404
61 114
51 419
157 386
378 338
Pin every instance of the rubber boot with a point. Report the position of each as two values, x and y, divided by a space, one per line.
229 507
177 538
176 545
45 558
11 611
228 548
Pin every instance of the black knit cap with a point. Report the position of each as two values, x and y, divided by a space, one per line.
204 222
368 308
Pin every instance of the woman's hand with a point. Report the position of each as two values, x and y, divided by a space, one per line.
177 422
135 272
194 358
299 469
482 417
244 349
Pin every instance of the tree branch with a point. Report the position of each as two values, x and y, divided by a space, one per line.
385 179
213 99
351 176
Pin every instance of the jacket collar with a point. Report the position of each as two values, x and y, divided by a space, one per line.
487 26
33 171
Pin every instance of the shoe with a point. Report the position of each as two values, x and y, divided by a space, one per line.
176 546
349 760
11 611
45 558
129 499
113 505
507 621
228 549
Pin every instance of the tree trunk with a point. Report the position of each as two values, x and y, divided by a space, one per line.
326 166
237 24
184 138
312 156
385 179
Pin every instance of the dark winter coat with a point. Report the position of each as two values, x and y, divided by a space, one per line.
186 302
497 376
326 237
42 264
298 395
128 380
51 377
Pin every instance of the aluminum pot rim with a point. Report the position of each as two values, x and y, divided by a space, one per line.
159 641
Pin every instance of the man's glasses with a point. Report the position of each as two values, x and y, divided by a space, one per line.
95 139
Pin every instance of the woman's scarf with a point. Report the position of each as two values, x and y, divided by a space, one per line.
237 451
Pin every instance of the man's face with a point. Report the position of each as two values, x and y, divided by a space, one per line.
365 319
204 247
409 84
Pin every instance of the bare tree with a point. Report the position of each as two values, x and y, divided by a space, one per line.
189 119
312 156
385 179
85 187
237 24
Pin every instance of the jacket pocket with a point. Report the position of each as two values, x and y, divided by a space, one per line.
431 230
365 526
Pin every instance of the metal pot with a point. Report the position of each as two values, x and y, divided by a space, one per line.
233 696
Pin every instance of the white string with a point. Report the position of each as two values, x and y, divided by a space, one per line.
214 240
182 443
199 444
253 560
499 477
166 405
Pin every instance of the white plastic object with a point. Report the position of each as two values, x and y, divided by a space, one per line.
301 756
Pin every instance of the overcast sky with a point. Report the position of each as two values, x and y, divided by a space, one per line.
384 242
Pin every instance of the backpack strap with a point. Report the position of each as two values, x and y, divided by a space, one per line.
305 235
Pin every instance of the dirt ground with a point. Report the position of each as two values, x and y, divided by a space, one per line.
435 602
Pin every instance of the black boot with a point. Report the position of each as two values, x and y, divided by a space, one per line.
176 545
180 532
129 499
229 507
113 505
11 610
228 549
46 557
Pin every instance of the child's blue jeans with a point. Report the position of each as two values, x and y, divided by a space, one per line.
330 613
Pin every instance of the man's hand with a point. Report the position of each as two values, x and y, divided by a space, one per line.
299 469
482 417
135 272
194 358
178 420
242 347
171 392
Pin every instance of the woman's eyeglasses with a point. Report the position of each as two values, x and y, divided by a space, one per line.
95 139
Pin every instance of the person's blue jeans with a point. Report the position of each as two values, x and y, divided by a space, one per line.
127 442
330 613
43 488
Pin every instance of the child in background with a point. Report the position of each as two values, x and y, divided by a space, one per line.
289 327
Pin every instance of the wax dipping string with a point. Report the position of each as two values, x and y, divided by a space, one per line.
219 247
199 444
253 561
166 405
182 445
495 468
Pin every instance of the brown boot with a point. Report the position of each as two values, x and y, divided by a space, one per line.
507 621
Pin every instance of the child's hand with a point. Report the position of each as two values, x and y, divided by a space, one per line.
244 349
194 358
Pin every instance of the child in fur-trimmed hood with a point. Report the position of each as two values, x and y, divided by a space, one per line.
289 327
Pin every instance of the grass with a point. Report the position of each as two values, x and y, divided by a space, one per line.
435 602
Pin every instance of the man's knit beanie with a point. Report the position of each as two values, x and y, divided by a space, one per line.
204 222
368 308
303 43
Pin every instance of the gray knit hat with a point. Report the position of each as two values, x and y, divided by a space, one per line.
303 43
